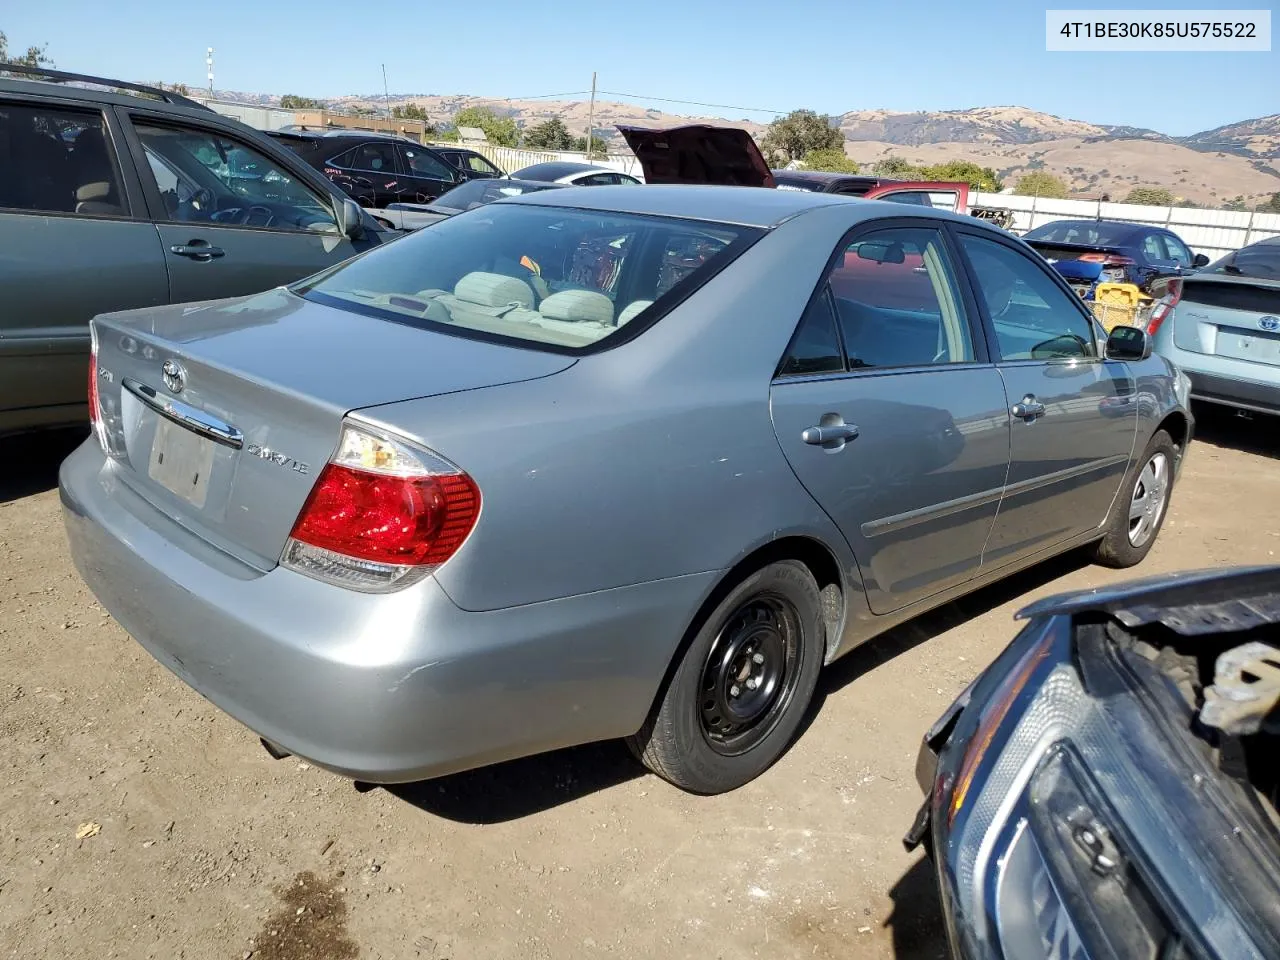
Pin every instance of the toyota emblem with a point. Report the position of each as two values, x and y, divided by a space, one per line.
1269 323
175 378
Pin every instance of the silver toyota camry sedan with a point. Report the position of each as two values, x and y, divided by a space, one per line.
602 463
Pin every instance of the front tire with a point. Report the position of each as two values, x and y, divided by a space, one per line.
741 688
1141 507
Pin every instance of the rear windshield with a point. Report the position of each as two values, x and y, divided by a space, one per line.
561 277
784 182
1082 231
1262 260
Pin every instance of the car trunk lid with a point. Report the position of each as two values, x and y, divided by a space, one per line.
1230 317
221 414
698 153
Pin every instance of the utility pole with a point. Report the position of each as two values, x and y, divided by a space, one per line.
208 62
386 96
591 116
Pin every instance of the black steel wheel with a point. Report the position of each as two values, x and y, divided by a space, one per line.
740 689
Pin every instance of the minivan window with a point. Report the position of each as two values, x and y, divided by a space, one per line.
562 277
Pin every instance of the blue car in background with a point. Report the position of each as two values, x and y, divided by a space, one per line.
1088 252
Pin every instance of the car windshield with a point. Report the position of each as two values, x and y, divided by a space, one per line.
1092 232
555 276
1261 260
475 193
796 183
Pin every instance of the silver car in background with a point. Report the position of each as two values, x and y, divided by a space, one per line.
602 463
1221 326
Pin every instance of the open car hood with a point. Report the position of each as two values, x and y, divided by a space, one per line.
698 153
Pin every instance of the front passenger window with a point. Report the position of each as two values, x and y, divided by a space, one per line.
1034 318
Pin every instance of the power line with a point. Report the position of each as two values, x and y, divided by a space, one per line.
695 103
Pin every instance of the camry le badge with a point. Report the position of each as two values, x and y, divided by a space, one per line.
1269 323
175 378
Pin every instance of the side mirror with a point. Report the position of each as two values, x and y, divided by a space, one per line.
1128 343
350 219
1201 260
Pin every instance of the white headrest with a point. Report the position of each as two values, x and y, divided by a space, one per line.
493 290
578 306
633 308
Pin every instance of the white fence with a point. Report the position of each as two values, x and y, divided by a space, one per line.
1214 233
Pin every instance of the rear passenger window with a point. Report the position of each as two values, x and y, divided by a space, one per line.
897 302
1034 318
815 347
57 161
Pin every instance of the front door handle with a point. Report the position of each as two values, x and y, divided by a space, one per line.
831 432
1028 409
200 250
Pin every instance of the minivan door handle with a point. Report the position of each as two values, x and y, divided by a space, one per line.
200 250
1028 409
832 433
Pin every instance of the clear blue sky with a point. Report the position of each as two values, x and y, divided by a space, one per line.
826 55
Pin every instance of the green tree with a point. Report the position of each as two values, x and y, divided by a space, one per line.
799 132
409 111
979 178
34 57
1272 205
832 161
1041 184
891 166
291 101
500 131
1235 204
549 135
1150 196
178 88
598 145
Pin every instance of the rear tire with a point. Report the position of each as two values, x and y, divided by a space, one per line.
740 690
1140 509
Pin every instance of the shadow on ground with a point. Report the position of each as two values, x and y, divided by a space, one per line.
518 788
916 923
1258 434
29 462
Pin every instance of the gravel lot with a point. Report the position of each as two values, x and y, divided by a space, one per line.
137 821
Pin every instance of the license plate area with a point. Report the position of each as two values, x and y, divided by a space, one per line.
181 461
1260 347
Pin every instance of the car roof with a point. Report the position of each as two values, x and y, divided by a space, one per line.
1124 225
743 206
823 176
154 98
555 169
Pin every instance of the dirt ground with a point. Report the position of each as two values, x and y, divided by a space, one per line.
137 821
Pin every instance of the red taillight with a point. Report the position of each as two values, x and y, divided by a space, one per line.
1110 259
1164 306
383 513
95 412
409 521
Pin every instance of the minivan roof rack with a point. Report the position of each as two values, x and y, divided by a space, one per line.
61 76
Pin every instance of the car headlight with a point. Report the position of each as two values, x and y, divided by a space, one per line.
1030 822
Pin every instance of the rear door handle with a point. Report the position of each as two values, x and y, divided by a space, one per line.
831 435
1028 409
198 250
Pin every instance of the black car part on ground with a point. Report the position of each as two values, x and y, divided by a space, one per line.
1109 786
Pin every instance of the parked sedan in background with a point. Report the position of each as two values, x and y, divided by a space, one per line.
1110 785
466 196
1136 253
376 169
132 196
1221 326
577 174
474 165
363 514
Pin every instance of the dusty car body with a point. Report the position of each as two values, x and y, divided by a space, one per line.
602 462
1109 786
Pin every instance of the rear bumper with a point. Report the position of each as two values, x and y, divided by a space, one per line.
1225 380
383 688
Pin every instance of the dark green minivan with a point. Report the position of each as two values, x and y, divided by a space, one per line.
115 196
